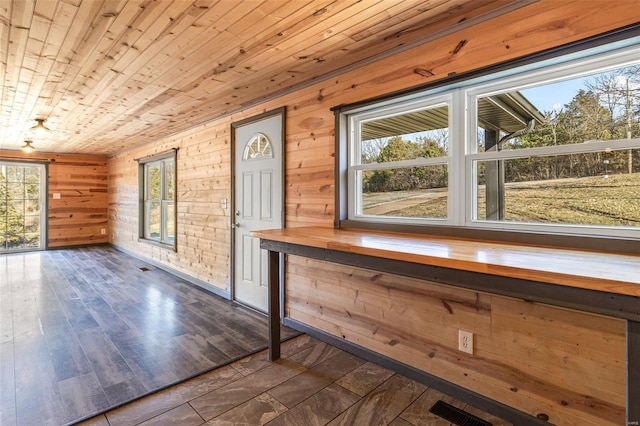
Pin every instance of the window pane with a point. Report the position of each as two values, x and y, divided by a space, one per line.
32 223
32 187
153 181
152 216
170 223
258 147
15 224
169 179
419 192
32 206
15 191
14 240
31 240
32 174
419 134
603 106
16 207
15 173
585 189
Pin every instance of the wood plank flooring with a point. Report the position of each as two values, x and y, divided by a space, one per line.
313 384
84 330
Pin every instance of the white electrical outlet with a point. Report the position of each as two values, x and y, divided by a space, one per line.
465 341
103 231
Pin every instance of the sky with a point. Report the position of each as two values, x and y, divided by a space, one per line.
553 96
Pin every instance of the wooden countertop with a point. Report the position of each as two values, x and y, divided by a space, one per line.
606 272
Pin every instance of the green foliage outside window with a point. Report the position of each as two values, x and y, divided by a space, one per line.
19 206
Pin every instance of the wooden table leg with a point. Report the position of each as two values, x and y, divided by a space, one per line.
274 305
633 373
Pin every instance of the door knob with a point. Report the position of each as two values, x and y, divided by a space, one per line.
235 225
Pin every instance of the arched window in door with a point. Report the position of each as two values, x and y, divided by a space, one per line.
258 147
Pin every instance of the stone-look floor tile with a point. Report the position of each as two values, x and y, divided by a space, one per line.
315 354
495 421
418 413
165 400
260 360
100 420
365 378
252 363
258 411
399 421
183 415
227 397
297 344
302 386
318 409
383 404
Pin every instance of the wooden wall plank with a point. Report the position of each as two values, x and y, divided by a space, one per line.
81 212
515 361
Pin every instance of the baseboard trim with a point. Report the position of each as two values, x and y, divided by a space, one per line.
75 246
188 278
486 404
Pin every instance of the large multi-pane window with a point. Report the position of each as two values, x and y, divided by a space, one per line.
158 206
553 150
22 192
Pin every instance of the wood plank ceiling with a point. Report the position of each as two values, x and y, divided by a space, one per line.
107 75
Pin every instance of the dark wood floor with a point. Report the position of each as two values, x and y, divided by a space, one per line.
314 384
87 329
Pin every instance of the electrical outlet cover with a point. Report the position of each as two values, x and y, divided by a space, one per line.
465 341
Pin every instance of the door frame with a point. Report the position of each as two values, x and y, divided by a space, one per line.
44 198
232 264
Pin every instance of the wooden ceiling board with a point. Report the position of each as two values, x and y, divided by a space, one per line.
340 56
108 75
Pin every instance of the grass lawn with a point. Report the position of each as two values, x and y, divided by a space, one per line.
590 201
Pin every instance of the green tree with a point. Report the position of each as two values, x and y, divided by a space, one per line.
408 178
19 206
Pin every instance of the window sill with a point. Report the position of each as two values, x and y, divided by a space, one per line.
167 246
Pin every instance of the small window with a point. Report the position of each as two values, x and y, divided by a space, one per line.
258 147
400 163
158 200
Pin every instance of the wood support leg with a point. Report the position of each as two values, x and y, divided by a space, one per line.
633 373
274 305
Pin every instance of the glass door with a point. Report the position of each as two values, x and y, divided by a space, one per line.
22 206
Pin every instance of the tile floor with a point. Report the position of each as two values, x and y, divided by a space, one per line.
313 384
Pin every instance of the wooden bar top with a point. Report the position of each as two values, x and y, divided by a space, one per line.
600 271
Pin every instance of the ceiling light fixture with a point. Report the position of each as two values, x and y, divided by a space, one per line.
27 147
40 128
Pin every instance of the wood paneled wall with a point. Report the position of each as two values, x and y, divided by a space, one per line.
530 358
203 238
539 359
80 214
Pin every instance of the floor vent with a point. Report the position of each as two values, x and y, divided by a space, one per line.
144 268
456 415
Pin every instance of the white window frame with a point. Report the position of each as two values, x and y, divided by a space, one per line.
354 156
159 160
462 100
565 71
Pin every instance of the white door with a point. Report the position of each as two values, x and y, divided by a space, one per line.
258 204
